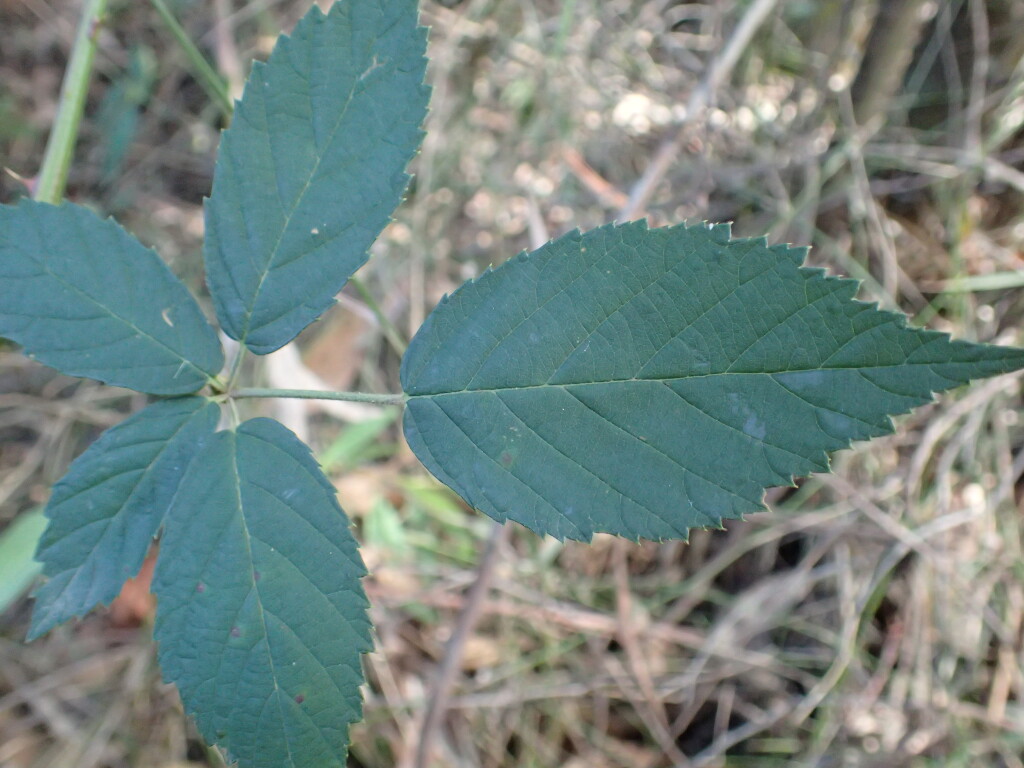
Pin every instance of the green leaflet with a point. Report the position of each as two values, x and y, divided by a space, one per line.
644 382
106 510
313 166
261 615
85 297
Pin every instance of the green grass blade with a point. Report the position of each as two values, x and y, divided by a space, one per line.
18 567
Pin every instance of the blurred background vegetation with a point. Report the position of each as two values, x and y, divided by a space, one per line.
872 618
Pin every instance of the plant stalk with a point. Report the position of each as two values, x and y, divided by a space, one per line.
391 333
887 54
316 394
449 668
236 367
207 76
60 147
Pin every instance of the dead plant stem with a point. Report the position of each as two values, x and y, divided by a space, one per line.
440 691
700 99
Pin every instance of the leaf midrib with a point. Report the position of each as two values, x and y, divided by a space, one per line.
263 611
255 587
269 265
665 379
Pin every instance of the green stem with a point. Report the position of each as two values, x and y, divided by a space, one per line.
60 148
390 331
236 367
315 394
207 76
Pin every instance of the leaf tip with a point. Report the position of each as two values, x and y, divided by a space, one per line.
39 626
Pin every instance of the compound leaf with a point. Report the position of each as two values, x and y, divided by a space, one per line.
313 166
643 382
83 296
261 619
106 510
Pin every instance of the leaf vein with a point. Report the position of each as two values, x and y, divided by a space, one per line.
667 456
571 460
518 479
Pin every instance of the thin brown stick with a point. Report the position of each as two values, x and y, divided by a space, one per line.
717 72
440 690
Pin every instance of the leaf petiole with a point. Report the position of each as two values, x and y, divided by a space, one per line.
315 394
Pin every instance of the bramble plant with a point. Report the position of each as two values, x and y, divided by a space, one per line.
634 381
